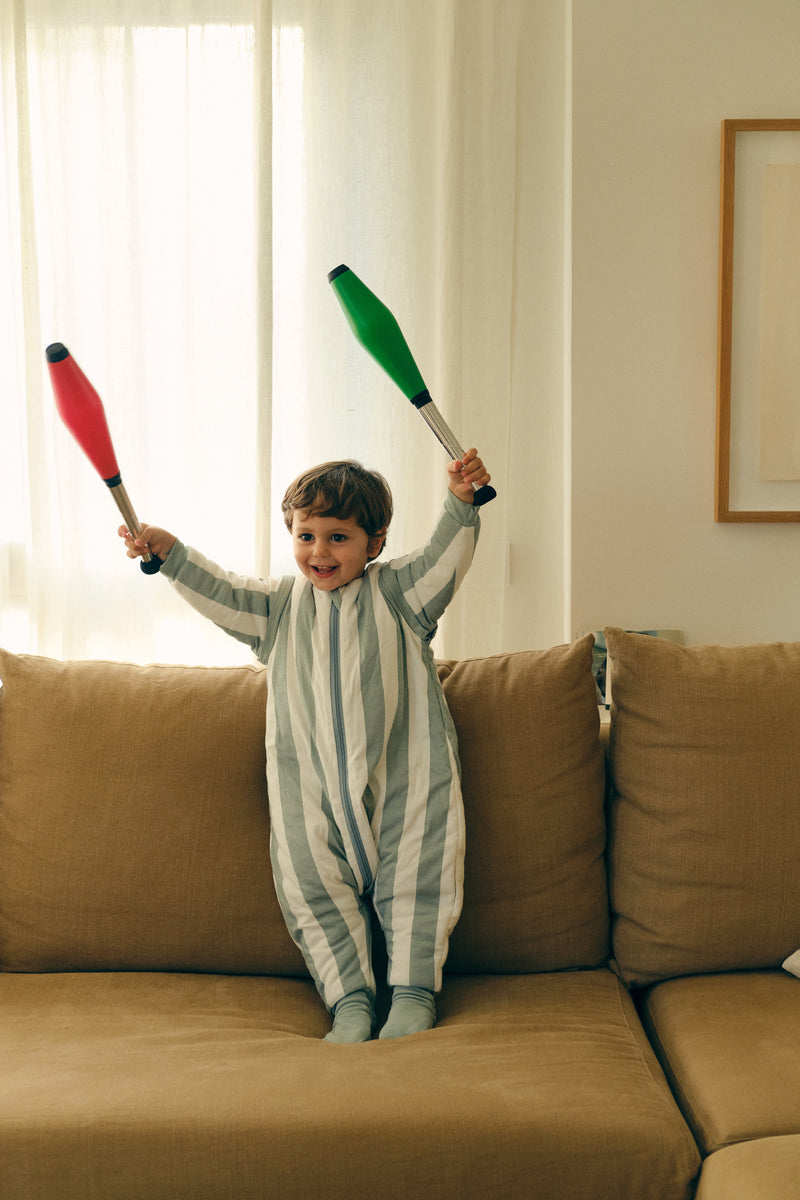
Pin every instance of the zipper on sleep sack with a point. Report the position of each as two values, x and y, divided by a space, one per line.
337 709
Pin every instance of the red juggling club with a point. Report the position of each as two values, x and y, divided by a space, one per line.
81 410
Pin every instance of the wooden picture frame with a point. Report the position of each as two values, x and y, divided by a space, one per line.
742 492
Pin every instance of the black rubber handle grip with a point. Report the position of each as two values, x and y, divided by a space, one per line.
484 494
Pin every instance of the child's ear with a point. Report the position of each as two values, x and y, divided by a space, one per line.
375 544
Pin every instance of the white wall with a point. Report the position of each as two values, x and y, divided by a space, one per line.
651 84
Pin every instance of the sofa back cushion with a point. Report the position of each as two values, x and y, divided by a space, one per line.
704 850
535 896
134 828
133 819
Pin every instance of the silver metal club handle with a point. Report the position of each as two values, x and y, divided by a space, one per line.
436 422
123 502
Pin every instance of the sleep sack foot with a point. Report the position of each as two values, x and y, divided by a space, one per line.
413 1011
353 1019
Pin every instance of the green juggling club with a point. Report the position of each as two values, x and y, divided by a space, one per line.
381 336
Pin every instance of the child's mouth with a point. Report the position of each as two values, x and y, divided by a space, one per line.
323 572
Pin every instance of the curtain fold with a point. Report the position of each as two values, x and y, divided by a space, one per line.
178 179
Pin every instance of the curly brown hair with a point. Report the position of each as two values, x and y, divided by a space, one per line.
341 489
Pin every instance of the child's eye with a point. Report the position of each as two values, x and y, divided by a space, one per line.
338 537
304 537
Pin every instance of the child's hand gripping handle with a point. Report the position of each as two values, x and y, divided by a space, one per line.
435 421
151 564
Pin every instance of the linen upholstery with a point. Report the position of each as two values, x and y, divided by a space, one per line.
134 826
174 1087
767 1169
534 784
730 1045
704 830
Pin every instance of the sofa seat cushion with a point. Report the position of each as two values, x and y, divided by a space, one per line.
178 1086
704 838
730 1045
766 1169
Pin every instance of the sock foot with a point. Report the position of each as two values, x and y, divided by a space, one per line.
413 1011
353 1019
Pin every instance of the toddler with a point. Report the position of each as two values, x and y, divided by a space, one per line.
362 762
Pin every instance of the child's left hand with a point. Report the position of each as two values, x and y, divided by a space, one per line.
464 472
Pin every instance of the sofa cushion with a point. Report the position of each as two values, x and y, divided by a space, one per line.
766 1169
133 824
174 1087
704 833
730 1046
535 896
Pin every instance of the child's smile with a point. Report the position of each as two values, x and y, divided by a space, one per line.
331 551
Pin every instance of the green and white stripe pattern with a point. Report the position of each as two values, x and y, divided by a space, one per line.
362 762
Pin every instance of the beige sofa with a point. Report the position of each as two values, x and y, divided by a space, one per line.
614 1016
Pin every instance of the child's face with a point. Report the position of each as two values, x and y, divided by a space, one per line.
330 551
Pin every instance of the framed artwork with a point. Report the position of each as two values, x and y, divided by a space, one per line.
758 345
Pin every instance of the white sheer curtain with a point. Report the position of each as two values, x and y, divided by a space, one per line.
177 179
404 167
129 164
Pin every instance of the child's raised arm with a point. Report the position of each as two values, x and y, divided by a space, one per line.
464 472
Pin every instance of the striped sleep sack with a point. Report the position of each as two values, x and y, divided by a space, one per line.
362 762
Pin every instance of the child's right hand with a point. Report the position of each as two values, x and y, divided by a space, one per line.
151 540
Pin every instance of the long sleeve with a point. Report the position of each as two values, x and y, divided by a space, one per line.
422 584
240 605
